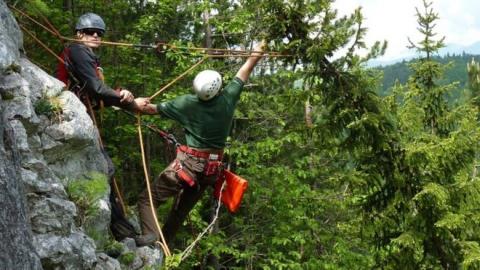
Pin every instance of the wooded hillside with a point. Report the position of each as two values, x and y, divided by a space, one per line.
456 72
339 176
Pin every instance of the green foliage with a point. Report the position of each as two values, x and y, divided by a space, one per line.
38 7
372 183
473 69
85 193
426 22
112 248
172 262
472 258
417 223
49 106
127 258
7 95
455 73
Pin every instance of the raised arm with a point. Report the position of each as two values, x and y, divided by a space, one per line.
244 72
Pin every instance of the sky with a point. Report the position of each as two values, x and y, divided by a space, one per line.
395 21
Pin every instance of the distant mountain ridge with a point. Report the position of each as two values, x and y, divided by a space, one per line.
457 73
473 49
457 49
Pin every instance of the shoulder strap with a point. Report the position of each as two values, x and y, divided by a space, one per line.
62 69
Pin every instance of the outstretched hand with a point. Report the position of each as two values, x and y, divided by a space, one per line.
143 105
259 48
142 101
126 96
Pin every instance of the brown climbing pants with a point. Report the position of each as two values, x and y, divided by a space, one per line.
168 184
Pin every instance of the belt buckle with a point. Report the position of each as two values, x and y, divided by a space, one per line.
213 157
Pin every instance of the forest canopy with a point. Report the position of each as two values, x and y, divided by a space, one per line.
340 177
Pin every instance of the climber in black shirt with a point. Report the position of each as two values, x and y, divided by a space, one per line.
81 69
81 72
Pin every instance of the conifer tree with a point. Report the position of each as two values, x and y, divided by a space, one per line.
426 71
473 71
365 180
424 224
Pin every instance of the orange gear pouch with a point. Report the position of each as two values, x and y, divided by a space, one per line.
233 192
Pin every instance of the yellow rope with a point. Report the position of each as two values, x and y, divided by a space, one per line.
178 78
115 185
205 51
227 53
163 243
42 44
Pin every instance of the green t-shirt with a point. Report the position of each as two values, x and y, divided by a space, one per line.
206 123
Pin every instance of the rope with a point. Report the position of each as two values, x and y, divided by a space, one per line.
208 229
163 243
50 25
206 51
115 185
179 77
213 51
42 44
165 135
226 53
33 20
119 195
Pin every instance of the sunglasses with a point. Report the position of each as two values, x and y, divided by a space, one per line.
92 31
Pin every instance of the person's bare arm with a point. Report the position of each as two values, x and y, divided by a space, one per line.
247 68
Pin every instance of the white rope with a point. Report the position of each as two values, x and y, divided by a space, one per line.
209 228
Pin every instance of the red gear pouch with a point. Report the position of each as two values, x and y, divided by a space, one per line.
233 192
212 168
182 173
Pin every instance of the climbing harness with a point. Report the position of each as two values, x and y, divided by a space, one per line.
163 243
214 164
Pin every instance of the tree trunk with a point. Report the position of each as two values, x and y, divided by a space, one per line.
208 29
67 5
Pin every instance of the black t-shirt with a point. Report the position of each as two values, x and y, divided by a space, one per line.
83 65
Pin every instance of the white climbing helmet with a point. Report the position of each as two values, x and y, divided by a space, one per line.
207 84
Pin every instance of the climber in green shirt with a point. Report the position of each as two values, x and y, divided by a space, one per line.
206 123
206 117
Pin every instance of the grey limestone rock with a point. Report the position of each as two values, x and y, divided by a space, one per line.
104 262
41 154
150 256
11 38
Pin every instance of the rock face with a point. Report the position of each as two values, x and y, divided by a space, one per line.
48 143
16 248
39 156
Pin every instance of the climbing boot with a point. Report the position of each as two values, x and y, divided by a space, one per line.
145 240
